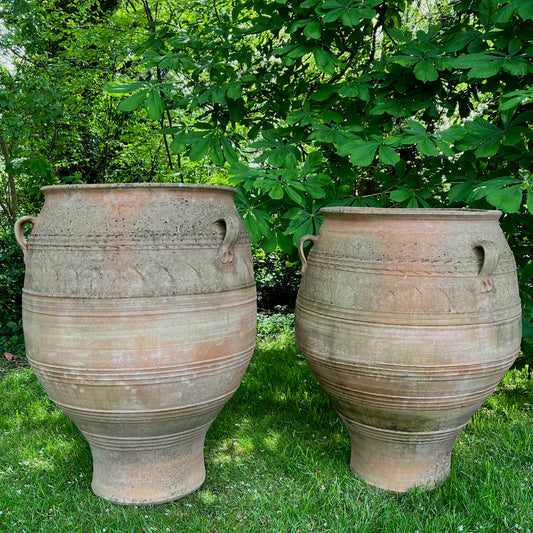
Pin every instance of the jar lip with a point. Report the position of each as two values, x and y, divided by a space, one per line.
414 213
151 185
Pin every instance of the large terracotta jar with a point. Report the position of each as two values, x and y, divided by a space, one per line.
139 312
408 318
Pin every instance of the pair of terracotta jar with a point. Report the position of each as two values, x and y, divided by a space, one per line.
139 311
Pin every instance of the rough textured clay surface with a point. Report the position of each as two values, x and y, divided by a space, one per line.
139 314
408 319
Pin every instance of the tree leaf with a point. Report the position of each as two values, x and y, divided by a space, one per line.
444 148
324 92
313 30
413 203
388 156
297 24
230 155
508 199
154 104
313 160
461 192
452 134
516 66
332 15
329 115
122 88
314 188
505 13
530 198
304 229
215 152
294 195
415 128
349 90
460 41
400 195
177 146
252 226
276 192
405 60
299 218
284 242
134 101
427 147
234 91
291 162
489 148
361 152
325 61
425 71
199 149
236 109
269 243
525 9
512 103
486 69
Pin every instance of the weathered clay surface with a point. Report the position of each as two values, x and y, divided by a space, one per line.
139 315
408 319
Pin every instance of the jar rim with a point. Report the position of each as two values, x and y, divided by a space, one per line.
147 185
415 213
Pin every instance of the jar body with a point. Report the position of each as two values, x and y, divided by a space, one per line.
409 318
139 315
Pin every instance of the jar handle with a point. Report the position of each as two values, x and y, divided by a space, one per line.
226 251
19 234
301 253
490 262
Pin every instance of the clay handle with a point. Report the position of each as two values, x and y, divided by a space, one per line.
226 251
301 253
490 262
19 234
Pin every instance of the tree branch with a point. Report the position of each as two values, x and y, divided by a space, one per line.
216 11
12 200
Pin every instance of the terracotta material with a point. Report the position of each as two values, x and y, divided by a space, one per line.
139 313
408 318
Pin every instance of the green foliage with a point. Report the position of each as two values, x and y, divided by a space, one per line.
304 102
56 123
11 281
277 279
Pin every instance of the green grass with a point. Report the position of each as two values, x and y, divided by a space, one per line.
277 459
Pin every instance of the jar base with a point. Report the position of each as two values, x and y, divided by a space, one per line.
148 476
399 461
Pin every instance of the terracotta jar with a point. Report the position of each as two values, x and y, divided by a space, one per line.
139 312
408 318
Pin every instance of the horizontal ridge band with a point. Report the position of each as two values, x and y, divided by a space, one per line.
402 437
324 311
141 375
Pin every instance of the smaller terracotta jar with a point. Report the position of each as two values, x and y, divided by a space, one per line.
408 318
